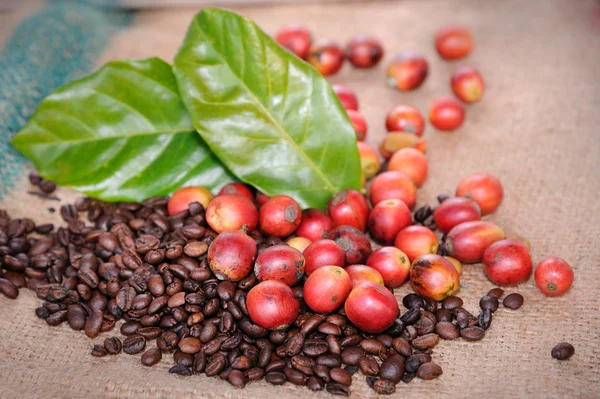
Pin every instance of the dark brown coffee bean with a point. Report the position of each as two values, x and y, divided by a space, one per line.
134 344
303 363
563 351
226 323
241 363
412 364
392 368
151 357
330 329
372 346
446 330
294 344
472 333
452 302
311 324
215 365
413 301
384 387
195 249
190 345
295 376
275 364
98 351
334 345
427 341
150 333
411 317
315 383
497 292
409 333
93 324
349 329
199 363
322 371
385 339
208 332
443 314
48 187
236 378
76 317
130 327
462 317
513 301
351 356
113 345
484 320
429 371
200 274
426 323
181 370
315 347
42 313
338 389
341 376
225 290
351 340
488 302
58 318
396 328
368 365
275 378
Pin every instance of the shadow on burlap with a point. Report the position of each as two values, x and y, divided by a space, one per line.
536 128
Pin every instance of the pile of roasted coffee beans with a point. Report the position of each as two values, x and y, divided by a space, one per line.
133 263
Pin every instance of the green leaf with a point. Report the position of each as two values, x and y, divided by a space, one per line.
120 134
271 118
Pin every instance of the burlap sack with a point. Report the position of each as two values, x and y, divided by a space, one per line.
536 128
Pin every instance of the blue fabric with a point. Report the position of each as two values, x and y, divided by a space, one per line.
47 50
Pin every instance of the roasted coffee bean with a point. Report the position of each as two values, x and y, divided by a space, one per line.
311 324
199 363
8 288
113 345
426 323
98 351
141 301
76 317
402 346
443 314
462 317
248 282
208 332
184 359
412 364
225 290
150 333
315 347
151 357
181 370
315 383
349 329
329 360
563 351
513 301
429 371
452 302
392 368
368 365
488 302
409 333
275 378
42 313
93 324
384 387
275 364
130 327
472 333
295 343
431 305
408 377
237 378
341 376
334 345
226 324
413 301
179 271
426 341
241 363
303 363
322 371
335 388
350 340
200 274
167 341
352 355
58 318
484 320
211 307
295 376
329 329
224 375
496 292
134 344
385 339
446 330
396 328
215 365
195 249
372 346
411 317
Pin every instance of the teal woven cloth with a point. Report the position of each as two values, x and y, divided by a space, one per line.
55 45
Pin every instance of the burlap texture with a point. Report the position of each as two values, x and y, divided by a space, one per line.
536 128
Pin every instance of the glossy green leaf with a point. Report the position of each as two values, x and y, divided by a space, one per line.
269 116
121 133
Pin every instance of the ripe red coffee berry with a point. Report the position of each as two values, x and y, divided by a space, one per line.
350 208
446 113
346 96
364 52
231 212
280 216
371 307
231 255
183 197
434 277
327 288
362 273
280 262
326 56
315 225
415 241
553 276
387 218
454 42
272 305
507 262
467 241
393 185
467 84
407 71
455 211
323 253
359 123
485 189
404 118
239 189
411 162
392 264
295 38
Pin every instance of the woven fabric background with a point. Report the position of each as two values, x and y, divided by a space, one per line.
536 128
